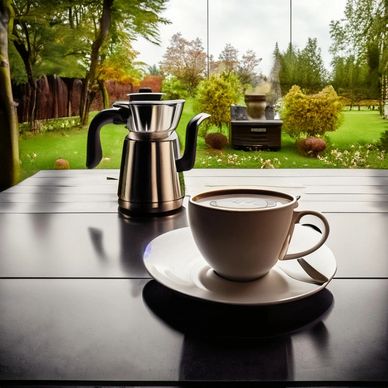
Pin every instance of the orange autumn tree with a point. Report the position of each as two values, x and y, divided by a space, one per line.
119 65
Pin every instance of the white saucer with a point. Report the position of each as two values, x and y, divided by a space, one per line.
173 260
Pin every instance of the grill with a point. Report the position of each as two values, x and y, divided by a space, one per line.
259 134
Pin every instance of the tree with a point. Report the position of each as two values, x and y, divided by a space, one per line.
228 60
275 92
131 16
116 22
350 78
246 69
288 72
49 40
154 70
364 23
301 67
74 39
311 68
9 148
87 92
119 65
31 30
185 61
362 34
373 62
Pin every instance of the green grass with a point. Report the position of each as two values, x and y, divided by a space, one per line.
40 151
358 127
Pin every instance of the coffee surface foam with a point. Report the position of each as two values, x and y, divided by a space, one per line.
243 201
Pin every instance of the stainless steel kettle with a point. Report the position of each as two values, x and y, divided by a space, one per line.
151 179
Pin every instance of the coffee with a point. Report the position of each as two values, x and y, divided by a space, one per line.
243 201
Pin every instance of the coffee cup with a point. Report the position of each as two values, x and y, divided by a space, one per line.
243 232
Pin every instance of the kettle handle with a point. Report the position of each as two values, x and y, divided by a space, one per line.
107 116
186 162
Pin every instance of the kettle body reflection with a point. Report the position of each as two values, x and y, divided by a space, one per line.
151 179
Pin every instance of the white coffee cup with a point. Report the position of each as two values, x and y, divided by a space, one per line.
243 232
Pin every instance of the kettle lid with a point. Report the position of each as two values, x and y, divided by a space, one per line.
145 94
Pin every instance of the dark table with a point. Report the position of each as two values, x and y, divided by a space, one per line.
77 306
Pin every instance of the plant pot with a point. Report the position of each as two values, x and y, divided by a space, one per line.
256 105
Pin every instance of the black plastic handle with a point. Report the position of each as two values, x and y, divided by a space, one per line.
107 116
186 162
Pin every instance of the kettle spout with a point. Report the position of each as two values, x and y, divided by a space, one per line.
186 162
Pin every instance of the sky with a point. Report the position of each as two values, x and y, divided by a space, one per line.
247 25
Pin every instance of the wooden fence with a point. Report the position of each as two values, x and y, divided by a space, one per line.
60 96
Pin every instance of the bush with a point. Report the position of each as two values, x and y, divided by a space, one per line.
58 124
174 88
312 146
311 115
154 82
216 140
384 140
61 164
215 96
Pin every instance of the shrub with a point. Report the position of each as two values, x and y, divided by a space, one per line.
215 96
312 146
216 140
384 140
174 88
57 124
311 115
154 82
61 164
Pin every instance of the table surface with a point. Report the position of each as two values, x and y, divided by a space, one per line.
78 307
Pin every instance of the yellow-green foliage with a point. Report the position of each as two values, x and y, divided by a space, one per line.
215 96
311 115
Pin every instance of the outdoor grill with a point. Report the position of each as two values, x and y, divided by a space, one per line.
261 132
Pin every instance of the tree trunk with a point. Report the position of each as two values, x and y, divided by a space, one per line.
104 94
25 54
9 147
384 97
90 78
384 67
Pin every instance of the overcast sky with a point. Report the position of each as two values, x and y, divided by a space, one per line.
248 25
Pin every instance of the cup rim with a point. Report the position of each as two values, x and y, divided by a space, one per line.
242 190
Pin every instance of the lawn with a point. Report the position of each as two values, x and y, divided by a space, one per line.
361 127
358 128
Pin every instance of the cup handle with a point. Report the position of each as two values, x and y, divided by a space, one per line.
296 219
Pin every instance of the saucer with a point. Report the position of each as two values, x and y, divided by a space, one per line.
174 260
